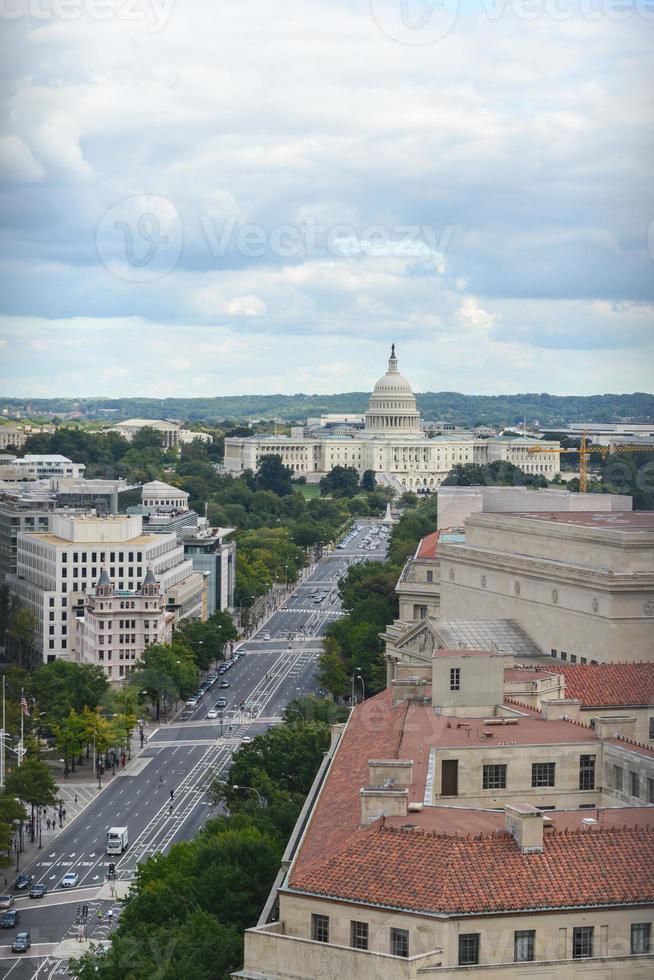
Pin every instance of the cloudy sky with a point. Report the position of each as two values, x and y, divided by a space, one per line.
216 197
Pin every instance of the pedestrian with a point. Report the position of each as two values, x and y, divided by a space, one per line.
64 813
161 779
170 809
75 797
172 795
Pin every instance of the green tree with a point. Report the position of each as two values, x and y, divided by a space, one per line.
207 638
368 481
166 673
70 735
32 783
273 475
332 674
12 813
64 685
342 481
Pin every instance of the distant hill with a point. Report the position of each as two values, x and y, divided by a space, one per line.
451 406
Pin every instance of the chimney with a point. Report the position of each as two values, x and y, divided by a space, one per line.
390 772
621 726
566 708
408 689
525 823
383 801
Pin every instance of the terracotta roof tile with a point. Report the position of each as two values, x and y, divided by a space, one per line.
443 874
606 685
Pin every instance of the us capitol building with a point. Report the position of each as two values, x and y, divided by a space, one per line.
391 442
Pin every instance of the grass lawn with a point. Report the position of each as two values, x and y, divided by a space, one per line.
308 490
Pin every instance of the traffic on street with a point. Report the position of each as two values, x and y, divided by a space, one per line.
162 795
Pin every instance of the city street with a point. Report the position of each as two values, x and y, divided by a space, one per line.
182 757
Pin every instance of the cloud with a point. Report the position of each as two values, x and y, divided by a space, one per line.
317 178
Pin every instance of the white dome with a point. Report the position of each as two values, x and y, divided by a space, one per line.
392 407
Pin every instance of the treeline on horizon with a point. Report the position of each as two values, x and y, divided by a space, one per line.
450 406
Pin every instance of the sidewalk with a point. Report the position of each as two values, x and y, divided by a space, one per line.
77 793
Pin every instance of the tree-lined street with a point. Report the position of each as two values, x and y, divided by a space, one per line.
276 665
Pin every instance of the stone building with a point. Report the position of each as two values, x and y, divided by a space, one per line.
55 569
580 584
116 625
392 443
453 833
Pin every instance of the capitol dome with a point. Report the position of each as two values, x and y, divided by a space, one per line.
392 407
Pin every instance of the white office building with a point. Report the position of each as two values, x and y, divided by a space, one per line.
54 571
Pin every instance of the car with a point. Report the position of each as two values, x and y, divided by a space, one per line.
192 702
69 880
6 901
266 636
21 943
9 919
186 714
23 882
38 891
212 713
221 703
246 740
224 684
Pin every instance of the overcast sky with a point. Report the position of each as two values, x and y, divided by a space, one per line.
209 197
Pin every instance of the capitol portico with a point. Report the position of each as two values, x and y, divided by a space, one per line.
392 444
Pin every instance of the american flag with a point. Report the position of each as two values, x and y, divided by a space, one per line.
24 707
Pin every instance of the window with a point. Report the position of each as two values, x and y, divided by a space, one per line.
586 772
455 679
494 777
359 935
651 729
400 942
640 937
634 783
617 777
582 942
542 773
423 612
523 945
552 652
320 928
584 660
430 576
650 790
469 949
564 655
573 658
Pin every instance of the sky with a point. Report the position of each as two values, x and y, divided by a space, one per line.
220 197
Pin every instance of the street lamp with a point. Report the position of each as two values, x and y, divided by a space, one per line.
251 789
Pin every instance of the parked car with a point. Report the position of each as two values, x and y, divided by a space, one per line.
266 636
23 882
224 684
192 702
6 901
38 891
246 740
9 919
69 880
21 943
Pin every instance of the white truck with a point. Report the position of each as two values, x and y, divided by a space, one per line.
116 840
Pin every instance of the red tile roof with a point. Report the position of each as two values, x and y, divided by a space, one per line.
427 547
607 685
437 873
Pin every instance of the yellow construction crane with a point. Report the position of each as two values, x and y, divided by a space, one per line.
584 450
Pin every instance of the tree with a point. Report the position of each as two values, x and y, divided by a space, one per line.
32 783
368 481
207 638
312 708
70 734
342 481
64 685
166 673
333 675
19 636
273 475
12 812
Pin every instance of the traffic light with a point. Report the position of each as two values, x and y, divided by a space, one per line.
85 911
112 871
